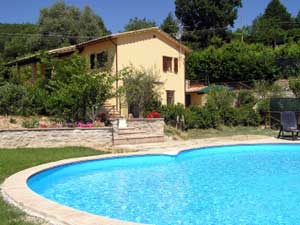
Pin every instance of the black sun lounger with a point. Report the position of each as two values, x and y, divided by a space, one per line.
288 123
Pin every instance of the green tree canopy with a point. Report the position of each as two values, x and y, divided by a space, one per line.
203 19
235 61
62 24
278 12
91 25
140 89
297 19
137 24
75 92
15 40
274 26
170 25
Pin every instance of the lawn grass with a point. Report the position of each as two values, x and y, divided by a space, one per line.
220 132
14 160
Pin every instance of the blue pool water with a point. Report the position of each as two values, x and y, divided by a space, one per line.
234 185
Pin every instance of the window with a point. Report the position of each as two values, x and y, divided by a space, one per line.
102 59
175 65
98 60
167 64
92 61
170 97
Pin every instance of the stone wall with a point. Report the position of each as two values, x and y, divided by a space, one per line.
153 127
138 131
34 138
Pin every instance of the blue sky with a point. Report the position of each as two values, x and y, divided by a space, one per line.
116 13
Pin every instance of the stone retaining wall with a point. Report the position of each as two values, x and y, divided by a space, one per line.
153 127
34 138
145 130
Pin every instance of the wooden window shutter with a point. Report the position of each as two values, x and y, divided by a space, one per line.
165 66
175 65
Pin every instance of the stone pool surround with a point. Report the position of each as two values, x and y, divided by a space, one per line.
15 190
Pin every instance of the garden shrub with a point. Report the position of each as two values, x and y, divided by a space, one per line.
31 123
14 100
294 84
219 110
12 121
200 118
75 100
229 116
245 97
38 100
171 113
220 99
247 116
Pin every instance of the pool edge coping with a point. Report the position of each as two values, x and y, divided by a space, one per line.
15 190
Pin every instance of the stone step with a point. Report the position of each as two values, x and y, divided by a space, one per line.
138 140
130 132
127 128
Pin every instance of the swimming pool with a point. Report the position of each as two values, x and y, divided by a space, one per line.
243 184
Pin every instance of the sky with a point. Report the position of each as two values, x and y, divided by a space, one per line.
116 13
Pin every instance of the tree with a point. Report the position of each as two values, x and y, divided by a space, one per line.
137 24
278 12
235 61
170 25
140 89
203 19
90 25
58 25
16 42
61 25
74 99
297 19
268 32
272 27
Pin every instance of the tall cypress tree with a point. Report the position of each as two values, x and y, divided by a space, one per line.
274 26
170 25
278 13
205 19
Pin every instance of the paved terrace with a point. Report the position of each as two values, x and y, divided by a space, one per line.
173 147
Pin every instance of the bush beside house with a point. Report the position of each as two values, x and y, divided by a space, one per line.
71 93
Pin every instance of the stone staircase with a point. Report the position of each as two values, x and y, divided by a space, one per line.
111 110
138 133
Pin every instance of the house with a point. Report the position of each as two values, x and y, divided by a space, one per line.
148 48
192 97
196 92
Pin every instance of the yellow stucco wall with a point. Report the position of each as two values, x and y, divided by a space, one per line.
196 99
145 50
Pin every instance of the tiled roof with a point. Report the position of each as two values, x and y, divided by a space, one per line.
73 48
